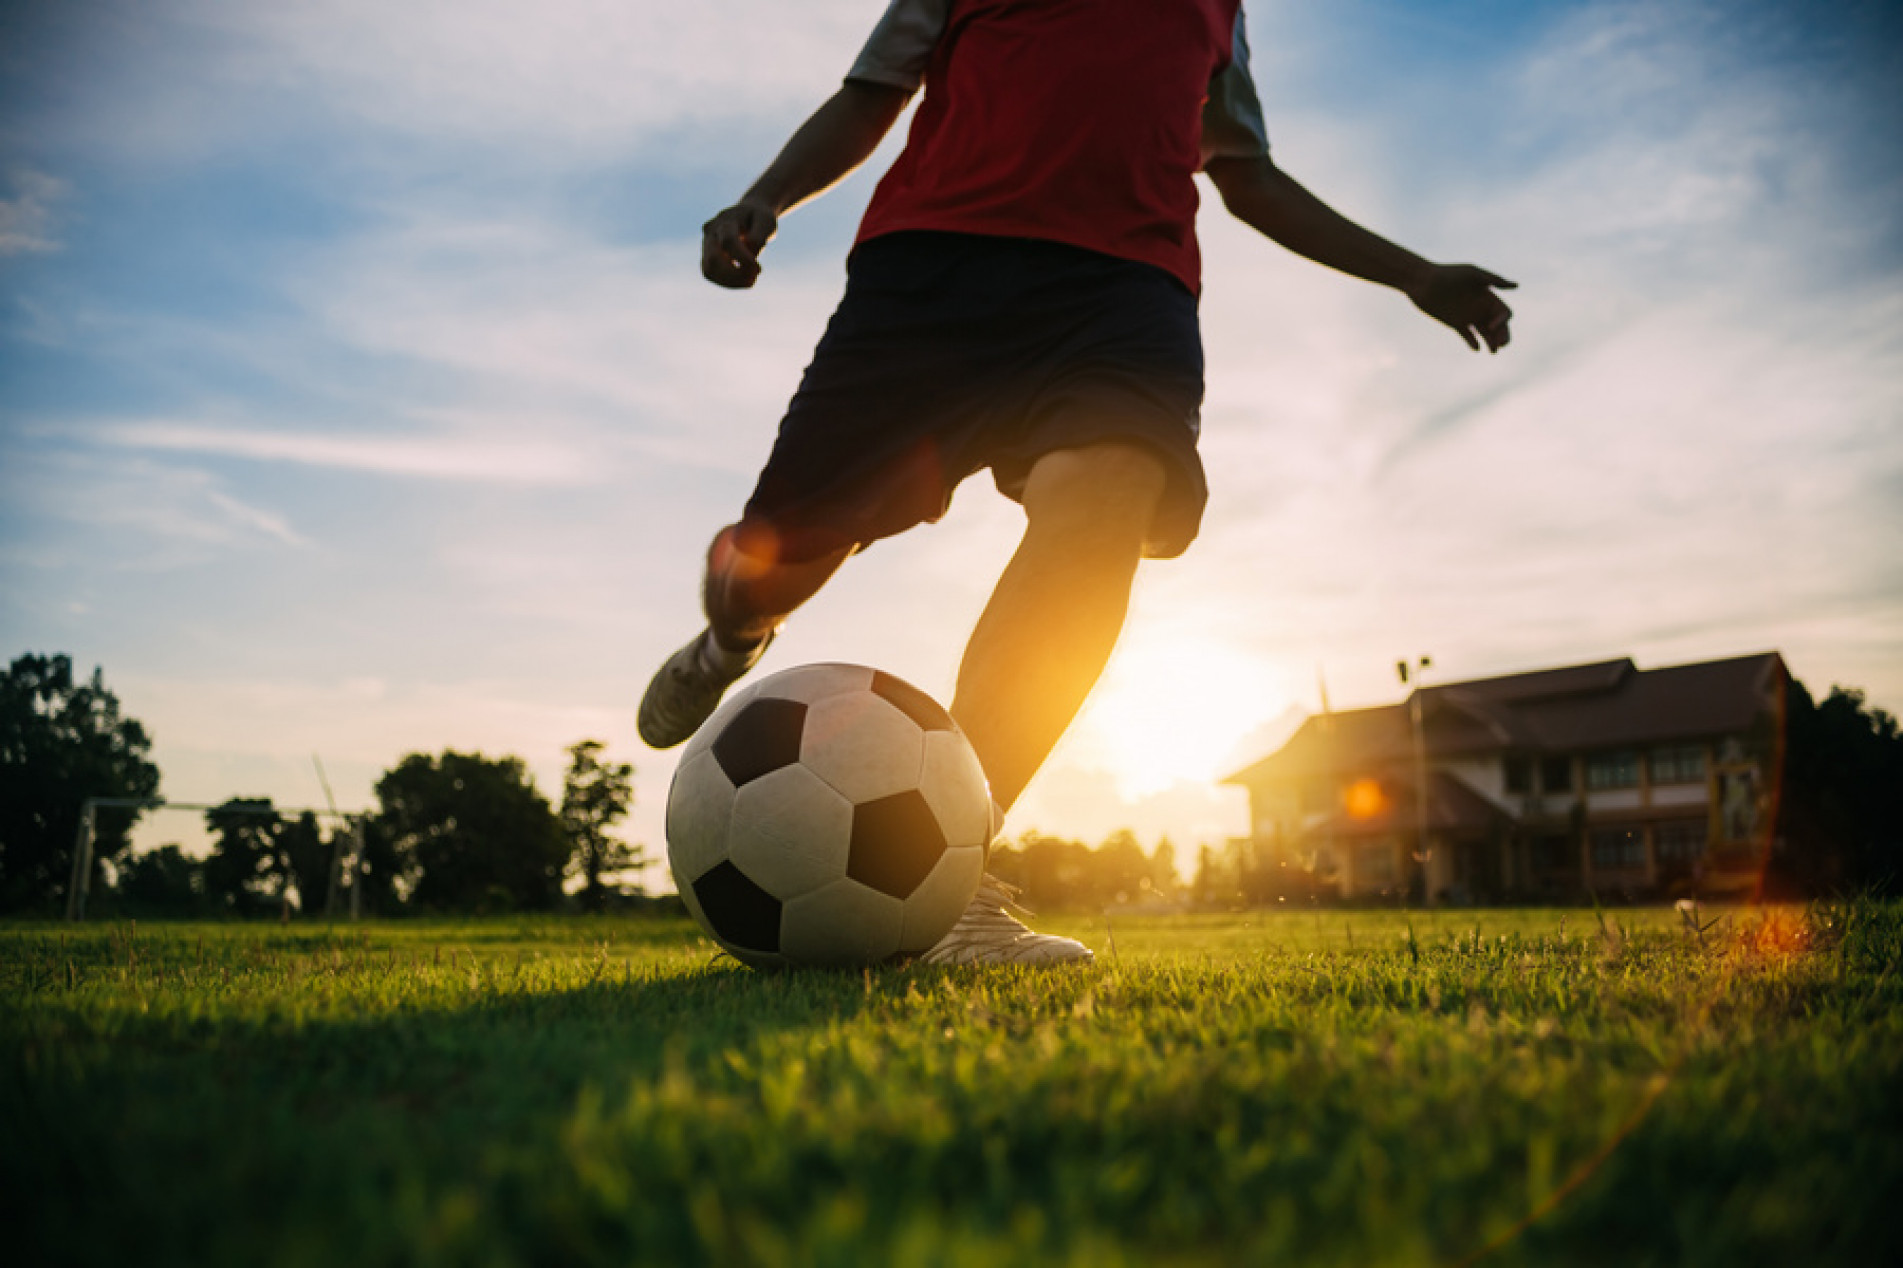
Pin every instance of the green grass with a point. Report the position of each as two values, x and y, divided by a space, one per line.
1513 1087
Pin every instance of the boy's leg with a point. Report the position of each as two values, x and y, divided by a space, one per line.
746 594
1043 640
1055 614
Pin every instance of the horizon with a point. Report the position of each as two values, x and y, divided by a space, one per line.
363 398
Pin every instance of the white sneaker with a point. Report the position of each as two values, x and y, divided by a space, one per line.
988 934
688 688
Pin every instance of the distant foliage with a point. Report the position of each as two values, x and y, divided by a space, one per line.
1058 874
264 864
474 832
165 882
244 874
62 741
595 796
1841 818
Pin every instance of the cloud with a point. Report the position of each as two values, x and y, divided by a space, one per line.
133 515
578 75
26 218
447 457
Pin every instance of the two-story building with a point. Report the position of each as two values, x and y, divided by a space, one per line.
1599 778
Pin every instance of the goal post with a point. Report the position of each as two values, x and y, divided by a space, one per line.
81 887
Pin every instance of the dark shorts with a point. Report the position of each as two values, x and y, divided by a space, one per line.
951 353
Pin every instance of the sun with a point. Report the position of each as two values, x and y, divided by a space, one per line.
1172 707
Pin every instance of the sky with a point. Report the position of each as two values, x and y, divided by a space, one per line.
360 396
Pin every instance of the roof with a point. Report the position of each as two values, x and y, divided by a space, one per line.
1605 705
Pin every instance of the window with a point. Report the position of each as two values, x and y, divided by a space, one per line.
1678 764
1519 775
1617 849
1556 775
1613 770
1682 841
1554 854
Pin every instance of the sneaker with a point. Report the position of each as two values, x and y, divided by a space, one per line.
988 934
689 686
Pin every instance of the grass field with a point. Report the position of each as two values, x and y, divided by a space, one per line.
1498 1087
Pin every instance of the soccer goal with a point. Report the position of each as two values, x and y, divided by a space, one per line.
346 846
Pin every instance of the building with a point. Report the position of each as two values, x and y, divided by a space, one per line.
1601 778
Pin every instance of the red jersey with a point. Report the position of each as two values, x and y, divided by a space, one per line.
1077 121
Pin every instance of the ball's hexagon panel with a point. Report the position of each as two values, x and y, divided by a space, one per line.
896 842
913 703
742 915
699 809
941 898
809 684
760 738
790 832
862 746
843 924
955 785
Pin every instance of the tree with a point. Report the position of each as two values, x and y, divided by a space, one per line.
1163 877
1839 822
304 851
480 836
162 882
60 743
245 873
595 796
384 876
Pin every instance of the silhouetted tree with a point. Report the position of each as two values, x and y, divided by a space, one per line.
305 851
383 875
1116 871
60 743
1841 820
595 796
162 882
245 873
481 837
1163 876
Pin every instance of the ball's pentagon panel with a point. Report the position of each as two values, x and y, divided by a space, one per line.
810 684
790 832
699 808
941 898
844 923
896 842
954 783
693 905
913 703
741 914
862 745
762 736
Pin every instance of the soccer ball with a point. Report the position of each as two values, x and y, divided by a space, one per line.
828 815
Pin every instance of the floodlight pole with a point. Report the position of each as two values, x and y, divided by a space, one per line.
1422 851
336 844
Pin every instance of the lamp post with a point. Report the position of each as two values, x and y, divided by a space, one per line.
1415 671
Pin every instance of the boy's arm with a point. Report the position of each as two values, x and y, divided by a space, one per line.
1460 296
840 136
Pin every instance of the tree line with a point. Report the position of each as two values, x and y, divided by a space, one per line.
462 832
452 832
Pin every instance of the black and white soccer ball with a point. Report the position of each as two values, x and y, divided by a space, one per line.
828 815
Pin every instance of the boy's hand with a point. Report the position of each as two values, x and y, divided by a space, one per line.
730 244
1461 296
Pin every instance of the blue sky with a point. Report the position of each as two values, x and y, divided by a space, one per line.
359 394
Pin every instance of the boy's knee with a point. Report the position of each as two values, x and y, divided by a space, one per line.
1099 488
